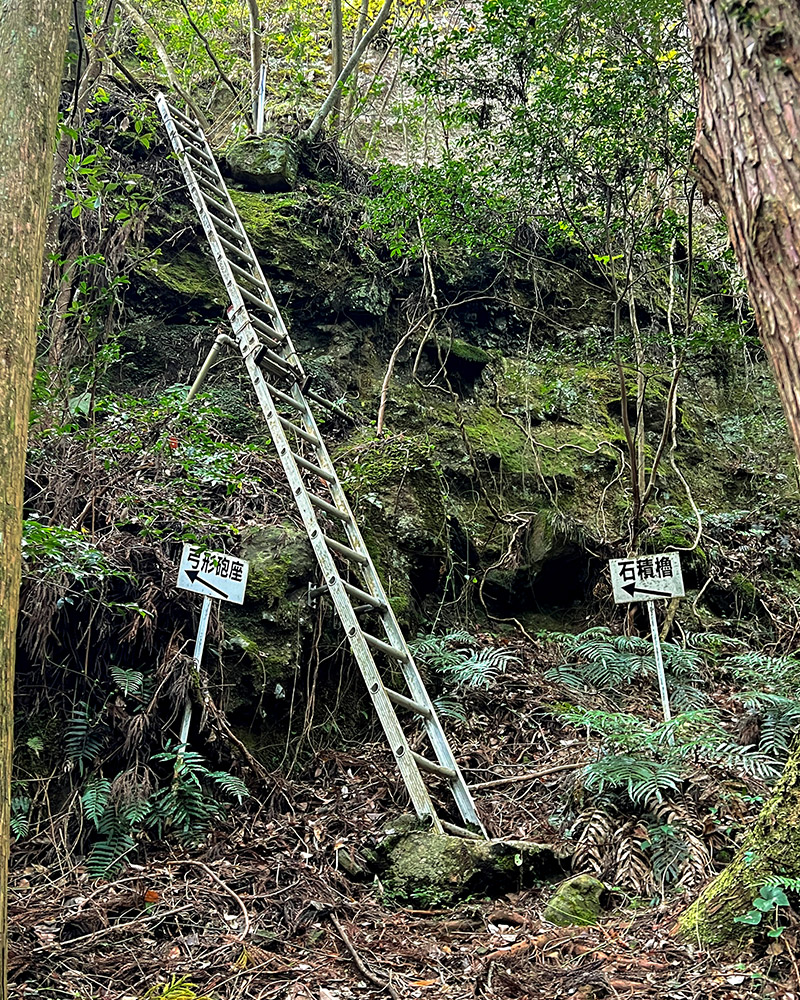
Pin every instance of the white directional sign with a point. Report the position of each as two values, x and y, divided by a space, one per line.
647 578
213 574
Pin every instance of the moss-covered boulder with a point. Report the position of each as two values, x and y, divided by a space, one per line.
266 163
576 902
264 635
430 869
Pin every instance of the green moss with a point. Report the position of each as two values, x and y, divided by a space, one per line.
490 433
429 869
469 352
188 273
286 241
576 902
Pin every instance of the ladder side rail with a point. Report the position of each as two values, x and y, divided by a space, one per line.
249 343
394 633
217 249
398 743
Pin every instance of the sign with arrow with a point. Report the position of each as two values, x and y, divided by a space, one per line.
213 574
647 578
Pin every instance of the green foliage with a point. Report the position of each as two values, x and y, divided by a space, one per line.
175 469
647 759
50 550
85 737
184 804
764 911
178 988
603 661
425 207
461 659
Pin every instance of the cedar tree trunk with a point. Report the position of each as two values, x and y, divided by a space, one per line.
747 157
33 39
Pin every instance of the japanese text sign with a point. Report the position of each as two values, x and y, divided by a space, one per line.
212 574
647 578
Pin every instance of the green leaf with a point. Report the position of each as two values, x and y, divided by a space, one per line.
773 895
752 918
775 932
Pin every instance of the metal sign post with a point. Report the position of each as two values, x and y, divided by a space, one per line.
662 677
648 579
199 646
215 575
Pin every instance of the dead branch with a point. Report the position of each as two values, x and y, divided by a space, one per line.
365 971
530 776
224 887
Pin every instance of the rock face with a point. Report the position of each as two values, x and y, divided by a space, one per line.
429 869
576 902
264 163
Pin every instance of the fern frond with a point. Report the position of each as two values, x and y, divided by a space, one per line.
460 658
449 708
128 681
95 798
231 785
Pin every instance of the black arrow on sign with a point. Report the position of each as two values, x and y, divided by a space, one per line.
634 588
195 577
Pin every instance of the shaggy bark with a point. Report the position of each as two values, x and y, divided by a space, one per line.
747 157
33 39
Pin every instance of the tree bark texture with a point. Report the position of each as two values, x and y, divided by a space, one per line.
33 38
747 158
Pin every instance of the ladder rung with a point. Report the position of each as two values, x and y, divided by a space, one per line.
289 426
323 504
362 595
265 358
384 647
176 113
285 398
244 254
199 165
346 551
195 152
327 404
206 184
269 331
256 301
185 131
246 274
460 831
221 224
219 207
427 765
304 463
414 706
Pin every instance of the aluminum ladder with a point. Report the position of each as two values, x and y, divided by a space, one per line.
349 574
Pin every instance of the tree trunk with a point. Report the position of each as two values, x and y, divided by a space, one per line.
256 55
33 39
319 119
337 54
747 157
